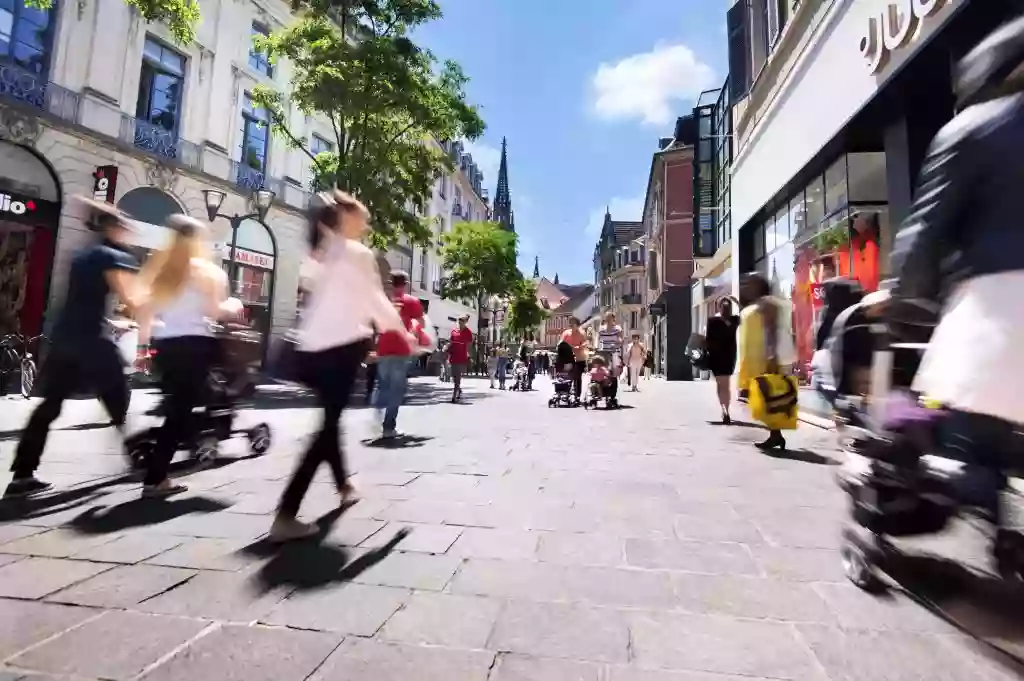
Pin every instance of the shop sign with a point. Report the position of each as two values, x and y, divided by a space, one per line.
250 258
27 210
894 27
104 186
817 295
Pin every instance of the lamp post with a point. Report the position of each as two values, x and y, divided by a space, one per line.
261 201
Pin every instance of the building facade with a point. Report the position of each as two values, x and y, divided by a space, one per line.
620 271
835 104
668 226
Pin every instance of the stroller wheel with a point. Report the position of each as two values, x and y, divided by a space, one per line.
139 451
259 439
206 449
859 568
1008 553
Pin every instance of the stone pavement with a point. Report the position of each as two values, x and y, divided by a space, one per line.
645 544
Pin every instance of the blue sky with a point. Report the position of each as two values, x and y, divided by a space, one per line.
582 89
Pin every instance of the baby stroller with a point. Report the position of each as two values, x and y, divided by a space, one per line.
520 377
565 369
903 477
231 381
605 391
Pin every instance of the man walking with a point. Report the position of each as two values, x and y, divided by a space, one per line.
394 353
458 354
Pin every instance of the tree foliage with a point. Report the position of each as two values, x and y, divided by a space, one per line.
386 98
479 260
524 312
181 16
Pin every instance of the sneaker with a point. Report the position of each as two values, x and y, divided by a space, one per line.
163 490
290 529
391 434
26 487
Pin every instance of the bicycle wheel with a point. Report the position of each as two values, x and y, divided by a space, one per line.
28 377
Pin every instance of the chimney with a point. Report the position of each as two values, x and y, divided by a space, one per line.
663 143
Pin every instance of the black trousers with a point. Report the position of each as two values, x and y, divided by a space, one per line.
371 380
331 374
578 369
184 364
70 367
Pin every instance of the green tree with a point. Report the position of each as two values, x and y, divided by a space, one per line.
354 63
479 260
524 312
181 16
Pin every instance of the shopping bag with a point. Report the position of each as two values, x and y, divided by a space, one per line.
697 351
773 400
282 360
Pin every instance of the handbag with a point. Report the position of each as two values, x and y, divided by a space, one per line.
774 401
697 352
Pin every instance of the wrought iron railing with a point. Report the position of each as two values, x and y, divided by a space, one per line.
631 299
23 86
160 141
247 177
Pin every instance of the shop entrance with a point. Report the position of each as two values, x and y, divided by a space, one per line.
29 219
250 260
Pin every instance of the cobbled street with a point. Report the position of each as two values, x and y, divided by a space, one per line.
646 544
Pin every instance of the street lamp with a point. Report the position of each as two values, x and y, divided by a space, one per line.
261 201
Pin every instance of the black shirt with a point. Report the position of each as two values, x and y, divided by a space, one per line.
86 304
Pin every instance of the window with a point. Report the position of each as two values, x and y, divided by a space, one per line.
255 133
423 268
258 61
25 34
634 286
319 145
443 191
782 233
836 194
815 202
634 320
160 86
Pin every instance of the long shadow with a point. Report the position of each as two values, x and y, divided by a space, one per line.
737 423
804 456
988 609
400 442
310 563
140 513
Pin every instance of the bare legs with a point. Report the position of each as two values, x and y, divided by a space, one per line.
724 396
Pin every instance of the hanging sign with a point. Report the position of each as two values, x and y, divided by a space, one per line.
898 24
104 186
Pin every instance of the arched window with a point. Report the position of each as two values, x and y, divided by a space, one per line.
150 208
253 235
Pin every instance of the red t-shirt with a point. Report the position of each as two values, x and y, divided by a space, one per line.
459 348
392 343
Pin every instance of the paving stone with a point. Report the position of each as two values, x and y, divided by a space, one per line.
800 565
622 673
58 543
563 631
115 645
702 557
720 644
411 571
722 527
9 533
215 595
892 612
357 609
207 554
363 660
512 667
38 577
451 487
807 528
751 597
25 623
220 525
131 548
421 538
6 559
390 478
581 549
416 511
353 531
443 620
481 542
122 587
237 653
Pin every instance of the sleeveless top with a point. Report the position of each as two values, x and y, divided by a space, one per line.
609 340
184 316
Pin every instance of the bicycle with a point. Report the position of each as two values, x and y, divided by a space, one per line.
16 356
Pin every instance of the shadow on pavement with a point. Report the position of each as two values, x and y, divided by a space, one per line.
399 442
804 456
982 606
309 564
738 424
140 513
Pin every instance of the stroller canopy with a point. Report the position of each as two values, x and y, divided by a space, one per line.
564 354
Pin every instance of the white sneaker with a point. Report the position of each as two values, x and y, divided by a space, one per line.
289 529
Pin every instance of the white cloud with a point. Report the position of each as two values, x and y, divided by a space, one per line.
649 85
487 159
621 208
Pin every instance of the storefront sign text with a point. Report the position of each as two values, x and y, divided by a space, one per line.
9 204
894 27
104 187
251 258
27 210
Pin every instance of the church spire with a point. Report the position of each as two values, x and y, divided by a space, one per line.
556 279
502 198
536 267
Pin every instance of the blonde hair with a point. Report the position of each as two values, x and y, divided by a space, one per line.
167 270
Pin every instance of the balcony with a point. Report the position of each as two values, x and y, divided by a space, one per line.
251 179
19 85
159 141
631 299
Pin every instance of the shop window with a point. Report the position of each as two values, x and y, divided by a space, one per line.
797 216
25 35
258 61
759 242
836 187
254 136
867 181
815 203
769 235
782 226
160 86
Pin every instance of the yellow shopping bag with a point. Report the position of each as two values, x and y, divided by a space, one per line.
773 401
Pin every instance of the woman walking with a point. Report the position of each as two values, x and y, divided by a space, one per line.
346 300
578 341
186 290
720 343
502 367
609 346
635 356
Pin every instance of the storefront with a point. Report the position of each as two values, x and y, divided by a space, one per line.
873 88
250 260
30 205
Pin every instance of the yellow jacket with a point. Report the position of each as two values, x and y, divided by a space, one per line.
751 342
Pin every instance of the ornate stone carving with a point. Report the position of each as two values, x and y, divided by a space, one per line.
18 127
161 176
